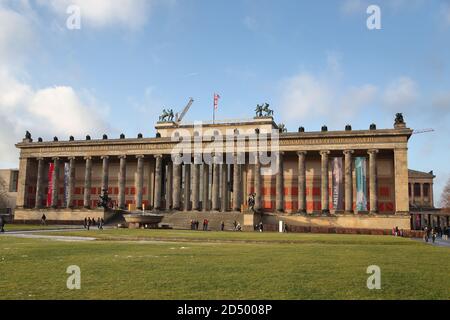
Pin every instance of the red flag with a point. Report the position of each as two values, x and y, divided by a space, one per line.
216 101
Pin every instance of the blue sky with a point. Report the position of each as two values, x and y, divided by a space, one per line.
315 62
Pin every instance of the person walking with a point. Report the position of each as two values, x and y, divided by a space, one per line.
261 227
89 223
235 225
85 222
2 224
43 220
222 226
98 223
433 235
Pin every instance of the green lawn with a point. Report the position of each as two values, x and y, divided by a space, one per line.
272 266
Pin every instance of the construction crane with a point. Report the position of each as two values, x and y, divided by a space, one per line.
180 117
423 131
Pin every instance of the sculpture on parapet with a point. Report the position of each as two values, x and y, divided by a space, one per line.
166 116
267 110
259 111
399 118
28 135
263 110
282 128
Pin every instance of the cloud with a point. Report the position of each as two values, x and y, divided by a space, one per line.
401 92
306 97
16 36
132 14
57 110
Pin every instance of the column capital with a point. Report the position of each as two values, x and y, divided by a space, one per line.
348 151
140 156
324 152
302 153
71 158
55 158
87 158
104 157
40 158
122 156
158 156
372 151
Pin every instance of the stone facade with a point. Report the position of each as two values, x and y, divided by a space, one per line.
141 173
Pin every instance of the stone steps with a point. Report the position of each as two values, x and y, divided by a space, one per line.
181 220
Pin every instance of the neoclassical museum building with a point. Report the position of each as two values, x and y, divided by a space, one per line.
346 179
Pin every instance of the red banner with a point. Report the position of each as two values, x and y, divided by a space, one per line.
51 168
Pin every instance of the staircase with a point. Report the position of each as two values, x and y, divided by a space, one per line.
182 220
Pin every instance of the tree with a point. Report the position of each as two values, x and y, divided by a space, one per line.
4 198
445 198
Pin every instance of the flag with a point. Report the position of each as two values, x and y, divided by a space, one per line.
216 101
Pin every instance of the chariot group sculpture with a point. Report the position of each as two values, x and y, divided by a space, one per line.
263 110
166 116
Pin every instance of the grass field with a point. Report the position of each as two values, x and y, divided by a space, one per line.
129 264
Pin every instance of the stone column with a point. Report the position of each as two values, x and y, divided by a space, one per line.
55 182
39 183
105 173
215 185
23 183
430 192
71 182
301 182
87 182
324 183
224 188
257 183
158 182
279 183
373 181
421 195
196 183
187 187
139 181
348 181
236 185
205 196
401 180
176 186
122 180
169 184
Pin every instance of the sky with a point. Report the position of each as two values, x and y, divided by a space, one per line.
315 62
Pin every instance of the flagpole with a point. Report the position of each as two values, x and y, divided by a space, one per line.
214 108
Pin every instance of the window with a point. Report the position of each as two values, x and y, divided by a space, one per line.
14 180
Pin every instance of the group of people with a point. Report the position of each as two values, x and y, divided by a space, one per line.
195 224
396 232
433 233
88 222
259 227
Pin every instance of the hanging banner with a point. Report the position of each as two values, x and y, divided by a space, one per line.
361 188
66 183
337 184
51 168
